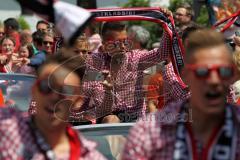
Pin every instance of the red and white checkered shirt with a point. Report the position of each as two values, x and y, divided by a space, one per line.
17 142
153 138
128 87
174 90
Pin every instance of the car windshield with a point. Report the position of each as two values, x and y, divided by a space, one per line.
16 90
110 138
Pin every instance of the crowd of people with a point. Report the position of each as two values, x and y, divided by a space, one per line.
109 75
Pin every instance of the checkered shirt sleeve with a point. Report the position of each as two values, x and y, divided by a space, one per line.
139 144
103 99
148 59
174 89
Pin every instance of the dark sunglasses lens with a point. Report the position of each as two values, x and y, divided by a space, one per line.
44 87
68 90
225 72
202 72
46 42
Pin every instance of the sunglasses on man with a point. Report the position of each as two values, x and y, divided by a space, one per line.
225 72
48 42
46 88
111 45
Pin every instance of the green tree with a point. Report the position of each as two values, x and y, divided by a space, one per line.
203 18
175 3
136 3
23 23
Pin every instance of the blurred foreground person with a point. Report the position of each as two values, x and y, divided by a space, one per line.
47 134
202 127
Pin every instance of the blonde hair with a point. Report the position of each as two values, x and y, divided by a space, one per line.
236 59
202 38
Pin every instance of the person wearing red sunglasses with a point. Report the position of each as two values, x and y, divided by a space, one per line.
203 126
125 66
48 134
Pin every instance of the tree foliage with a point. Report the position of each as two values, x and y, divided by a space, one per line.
137 3
23 23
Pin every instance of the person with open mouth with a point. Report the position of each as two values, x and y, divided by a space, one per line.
203 126
47 134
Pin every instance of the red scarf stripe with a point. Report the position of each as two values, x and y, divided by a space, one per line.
75 146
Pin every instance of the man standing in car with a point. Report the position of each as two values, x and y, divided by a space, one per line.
125 68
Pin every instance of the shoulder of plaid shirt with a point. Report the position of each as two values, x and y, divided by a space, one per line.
178 91
153 137
142 59
173 89
17 142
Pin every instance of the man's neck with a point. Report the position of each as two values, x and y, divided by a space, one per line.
204 124
55 136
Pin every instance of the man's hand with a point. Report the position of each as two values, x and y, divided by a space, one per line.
3 59
166 11
25 61
107 83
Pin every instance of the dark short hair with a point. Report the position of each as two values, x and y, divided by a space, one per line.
38 37
112 26
190 28
11 22
42 22
67 59
203 38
